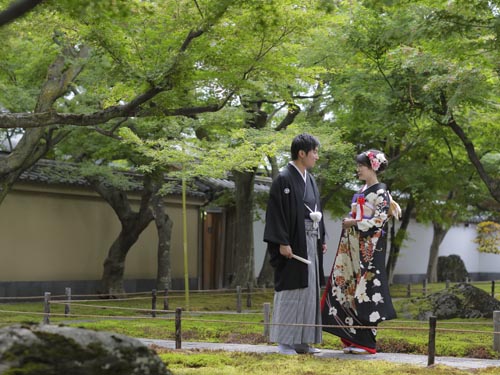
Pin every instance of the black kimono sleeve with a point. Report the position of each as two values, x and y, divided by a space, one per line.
277 228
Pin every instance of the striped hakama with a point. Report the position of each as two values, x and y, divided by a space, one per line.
299 306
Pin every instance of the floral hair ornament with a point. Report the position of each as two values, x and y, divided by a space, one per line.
376 159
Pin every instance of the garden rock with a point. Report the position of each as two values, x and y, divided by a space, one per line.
57 350
460 301
451 268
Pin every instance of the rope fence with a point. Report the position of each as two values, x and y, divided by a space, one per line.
411 290
401 290
67 301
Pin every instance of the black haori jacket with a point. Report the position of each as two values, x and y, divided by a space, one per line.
285 225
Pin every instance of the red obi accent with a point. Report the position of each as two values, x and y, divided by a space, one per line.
360 213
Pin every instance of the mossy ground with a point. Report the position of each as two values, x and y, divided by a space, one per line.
201 323
229 363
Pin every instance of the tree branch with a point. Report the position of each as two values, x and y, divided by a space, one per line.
293 111
491 184
16 10
43 119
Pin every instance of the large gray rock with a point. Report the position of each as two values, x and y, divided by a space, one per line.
451 268
460 301
56 350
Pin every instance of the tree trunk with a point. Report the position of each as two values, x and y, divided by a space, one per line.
438 237
133 224
16 10
164 227
114 265
266 274
244 251
397 240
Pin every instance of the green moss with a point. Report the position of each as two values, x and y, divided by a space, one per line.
57 354
31 369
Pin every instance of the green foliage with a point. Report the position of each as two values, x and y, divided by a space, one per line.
491 162
389 75
488 237
27 50
408 67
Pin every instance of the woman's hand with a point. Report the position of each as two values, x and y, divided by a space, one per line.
348 223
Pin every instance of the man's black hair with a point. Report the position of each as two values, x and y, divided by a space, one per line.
305 142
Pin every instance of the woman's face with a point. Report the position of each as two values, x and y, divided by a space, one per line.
364 173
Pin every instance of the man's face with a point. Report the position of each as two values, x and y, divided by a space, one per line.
309 159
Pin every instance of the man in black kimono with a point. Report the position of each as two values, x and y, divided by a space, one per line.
295 227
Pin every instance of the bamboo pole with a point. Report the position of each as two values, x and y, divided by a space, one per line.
184 234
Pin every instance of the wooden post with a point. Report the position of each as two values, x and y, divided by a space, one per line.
493 288
153 303
432 341
424 287
496 331
408 290
238 299
67 305
46 308
249 295
165 300
267 320
178 333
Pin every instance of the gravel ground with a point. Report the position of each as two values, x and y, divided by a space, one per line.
412 359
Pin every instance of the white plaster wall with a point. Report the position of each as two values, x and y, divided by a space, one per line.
460 241
258 243
414 255
489 263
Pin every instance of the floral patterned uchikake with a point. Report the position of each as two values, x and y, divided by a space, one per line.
357 293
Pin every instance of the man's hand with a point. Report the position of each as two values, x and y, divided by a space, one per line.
324 248
286 251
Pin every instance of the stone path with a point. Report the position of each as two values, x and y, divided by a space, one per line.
411 359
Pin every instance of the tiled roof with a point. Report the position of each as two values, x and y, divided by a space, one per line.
261 185
52 172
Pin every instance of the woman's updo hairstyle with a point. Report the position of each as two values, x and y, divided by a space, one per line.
373 159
